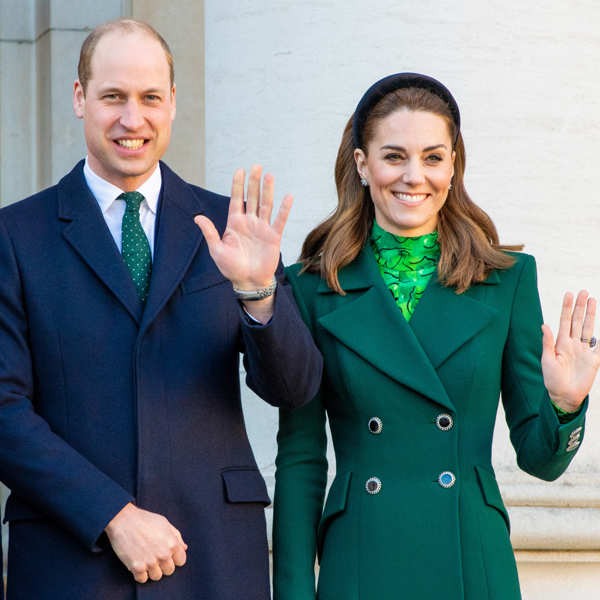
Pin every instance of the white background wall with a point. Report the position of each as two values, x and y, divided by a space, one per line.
283 77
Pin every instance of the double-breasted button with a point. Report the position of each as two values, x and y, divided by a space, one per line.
447 479
375 425
373 485
444 422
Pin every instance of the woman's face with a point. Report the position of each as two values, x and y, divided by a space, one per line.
409 167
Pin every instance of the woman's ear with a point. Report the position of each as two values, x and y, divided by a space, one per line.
361 163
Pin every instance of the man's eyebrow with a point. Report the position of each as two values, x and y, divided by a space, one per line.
109 89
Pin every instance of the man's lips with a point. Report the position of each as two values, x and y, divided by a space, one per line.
130 143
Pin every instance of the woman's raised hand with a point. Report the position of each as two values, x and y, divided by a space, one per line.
248 252
570 365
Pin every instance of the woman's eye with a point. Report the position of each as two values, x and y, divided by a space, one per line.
393 157
434 158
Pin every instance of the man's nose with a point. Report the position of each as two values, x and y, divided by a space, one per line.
132 117
413 173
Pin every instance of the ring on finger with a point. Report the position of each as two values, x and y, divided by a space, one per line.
590 341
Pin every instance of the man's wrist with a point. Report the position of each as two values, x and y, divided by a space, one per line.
113 523
250 292
259 310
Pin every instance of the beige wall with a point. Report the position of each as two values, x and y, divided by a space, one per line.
181 23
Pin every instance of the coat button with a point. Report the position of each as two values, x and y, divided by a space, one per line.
444 422
375 425
373 485
447 479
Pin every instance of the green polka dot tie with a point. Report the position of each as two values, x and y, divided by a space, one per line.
135 248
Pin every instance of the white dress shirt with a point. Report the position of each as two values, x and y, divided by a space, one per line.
106 195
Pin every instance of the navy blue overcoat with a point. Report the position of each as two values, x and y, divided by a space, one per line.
104 401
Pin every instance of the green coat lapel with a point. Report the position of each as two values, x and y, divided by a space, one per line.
368 322
444 321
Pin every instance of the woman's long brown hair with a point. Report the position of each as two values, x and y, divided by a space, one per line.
469 244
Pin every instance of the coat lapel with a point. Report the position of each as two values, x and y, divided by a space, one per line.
177 241
368 322
444 321
86 231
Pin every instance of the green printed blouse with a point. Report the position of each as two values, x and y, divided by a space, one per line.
406 265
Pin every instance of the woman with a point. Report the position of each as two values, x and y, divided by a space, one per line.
422 319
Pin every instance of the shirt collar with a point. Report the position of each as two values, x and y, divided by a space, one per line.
106 193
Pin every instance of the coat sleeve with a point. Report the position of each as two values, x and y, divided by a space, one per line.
37 464
282 363
544 447
300 482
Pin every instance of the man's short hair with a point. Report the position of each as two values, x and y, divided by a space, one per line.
84 69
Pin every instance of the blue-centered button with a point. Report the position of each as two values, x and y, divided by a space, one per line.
447 479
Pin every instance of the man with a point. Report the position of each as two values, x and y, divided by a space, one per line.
121 432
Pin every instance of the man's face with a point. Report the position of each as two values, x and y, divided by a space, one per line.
127 108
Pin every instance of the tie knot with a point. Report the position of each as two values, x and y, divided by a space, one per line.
132 201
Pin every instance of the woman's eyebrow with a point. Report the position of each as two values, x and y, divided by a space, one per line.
402 149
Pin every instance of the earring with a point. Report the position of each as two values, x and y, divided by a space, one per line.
449 187
364 182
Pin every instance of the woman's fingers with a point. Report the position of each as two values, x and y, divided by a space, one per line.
587 331
253 196
564 326
547 342
578 315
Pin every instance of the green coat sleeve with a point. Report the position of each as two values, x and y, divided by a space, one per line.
544 447
301 478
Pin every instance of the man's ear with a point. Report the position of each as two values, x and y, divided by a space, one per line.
173 103
78 99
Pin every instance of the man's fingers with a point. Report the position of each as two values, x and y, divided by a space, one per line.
266 199
167 566
140 572
209 231
578 314
253 196
236 204
155 572
180 538
179 556
282 215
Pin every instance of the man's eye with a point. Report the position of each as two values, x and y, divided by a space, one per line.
111 96
152 98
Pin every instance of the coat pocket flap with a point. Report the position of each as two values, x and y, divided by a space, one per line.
335 504
245 485
18 510
491 493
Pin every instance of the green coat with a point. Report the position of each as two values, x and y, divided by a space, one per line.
413 539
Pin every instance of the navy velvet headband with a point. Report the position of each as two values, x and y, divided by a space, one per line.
395 82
